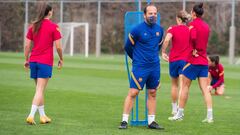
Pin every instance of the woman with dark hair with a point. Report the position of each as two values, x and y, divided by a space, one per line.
42 33
179 52
216 75
197 66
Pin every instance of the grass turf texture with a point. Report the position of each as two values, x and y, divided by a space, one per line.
86 97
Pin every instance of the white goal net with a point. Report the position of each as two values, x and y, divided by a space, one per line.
75 38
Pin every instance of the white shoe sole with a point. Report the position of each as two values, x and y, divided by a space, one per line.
207 121
175 119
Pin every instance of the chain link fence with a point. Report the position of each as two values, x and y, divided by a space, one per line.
12 20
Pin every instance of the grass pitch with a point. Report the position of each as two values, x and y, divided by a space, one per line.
86 97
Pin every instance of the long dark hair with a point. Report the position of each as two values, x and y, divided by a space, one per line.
214 58
43 11
198 9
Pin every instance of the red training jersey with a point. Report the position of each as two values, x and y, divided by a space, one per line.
217 73
42 51
181 48
199 34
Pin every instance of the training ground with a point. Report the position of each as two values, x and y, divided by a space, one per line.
86 97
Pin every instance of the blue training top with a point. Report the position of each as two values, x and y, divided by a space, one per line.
144 43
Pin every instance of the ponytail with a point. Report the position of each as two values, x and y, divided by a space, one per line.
43 11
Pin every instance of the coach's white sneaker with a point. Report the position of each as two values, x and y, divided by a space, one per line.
206 120
176 118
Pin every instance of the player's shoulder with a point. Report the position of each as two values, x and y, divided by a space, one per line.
220 66
30 27
139 25
137 28
171 27
51 24
54 25
191 24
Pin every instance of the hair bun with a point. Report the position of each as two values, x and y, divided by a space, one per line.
198 9
200 5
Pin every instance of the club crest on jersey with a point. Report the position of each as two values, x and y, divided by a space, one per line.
157 33
140 79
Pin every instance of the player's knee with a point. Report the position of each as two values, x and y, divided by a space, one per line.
152 93
133 93
174 89
220 93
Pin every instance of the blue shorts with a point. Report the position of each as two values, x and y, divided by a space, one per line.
39 70
195 71
175 68
149 76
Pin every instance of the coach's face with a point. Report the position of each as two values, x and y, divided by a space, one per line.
151 15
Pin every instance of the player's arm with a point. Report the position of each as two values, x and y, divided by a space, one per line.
60 54
162 39
57 39
27 49
193 38
130 43
165 45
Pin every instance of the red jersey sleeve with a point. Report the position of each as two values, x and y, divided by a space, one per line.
30 34
56 33
193 35
221 77
170 30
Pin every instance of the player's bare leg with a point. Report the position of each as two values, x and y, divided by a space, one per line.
203 83
186 82
174 95
220 90
38 101
151 104
127 107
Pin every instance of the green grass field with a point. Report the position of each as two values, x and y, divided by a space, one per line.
86 97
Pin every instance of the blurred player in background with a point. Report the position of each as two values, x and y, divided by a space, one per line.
216 75
39 42
142 46
179 52
198 64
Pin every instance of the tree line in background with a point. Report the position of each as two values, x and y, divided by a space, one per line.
217 15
